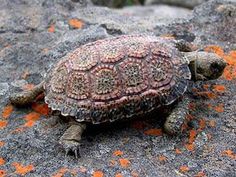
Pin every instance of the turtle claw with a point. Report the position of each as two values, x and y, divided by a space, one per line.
71 146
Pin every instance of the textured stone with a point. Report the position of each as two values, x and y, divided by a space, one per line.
27 46
182 3
4 87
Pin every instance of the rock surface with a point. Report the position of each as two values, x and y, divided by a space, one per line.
182 3
36 34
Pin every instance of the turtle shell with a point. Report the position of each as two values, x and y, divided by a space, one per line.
117 78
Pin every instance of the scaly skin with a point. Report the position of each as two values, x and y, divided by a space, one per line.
177 117
26 97
70 140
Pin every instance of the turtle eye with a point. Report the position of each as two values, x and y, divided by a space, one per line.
214 67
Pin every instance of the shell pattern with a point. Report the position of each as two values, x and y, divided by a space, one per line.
117 78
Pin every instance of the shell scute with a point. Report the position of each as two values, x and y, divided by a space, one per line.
105 83
134 74
77 87
83 58
111 51
59 80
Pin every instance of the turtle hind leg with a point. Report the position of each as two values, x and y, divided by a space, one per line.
26 97
177 117
70 140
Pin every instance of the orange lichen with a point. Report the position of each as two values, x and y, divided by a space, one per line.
207 94
118 175
21 169
184 127
3 173
192 136
229 153
31 118
206 86
219 88
212 123
202 124
184 169
3 124
209 105
98 174
230 70
177 151
200 174
190 147
124 163
154 132
162 158
28 86
75 23
189 117
41 108
118 153
60 172
51 28
134 174
2 143
2 161
216 49
219 108
7 111
18 130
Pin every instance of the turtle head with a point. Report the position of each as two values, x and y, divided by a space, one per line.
205 66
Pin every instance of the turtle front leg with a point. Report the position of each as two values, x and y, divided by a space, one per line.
177 117
26 97
70 140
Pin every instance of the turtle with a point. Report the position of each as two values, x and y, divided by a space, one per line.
122 77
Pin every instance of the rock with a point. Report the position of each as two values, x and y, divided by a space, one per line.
201 140
156 11
19 83
182 3
4 87
36 34
115 3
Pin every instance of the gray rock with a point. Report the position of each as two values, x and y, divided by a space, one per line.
27 45
4 87
156 11
116 3
19 83
182 3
